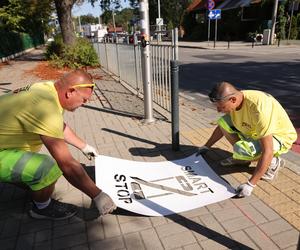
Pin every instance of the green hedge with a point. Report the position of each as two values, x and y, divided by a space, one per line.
13 42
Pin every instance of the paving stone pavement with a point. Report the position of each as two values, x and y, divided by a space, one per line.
269 219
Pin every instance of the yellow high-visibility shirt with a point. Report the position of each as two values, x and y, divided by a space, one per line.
261 115
27 113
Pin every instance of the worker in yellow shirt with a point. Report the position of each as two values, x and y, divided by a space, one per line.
258 128
33 116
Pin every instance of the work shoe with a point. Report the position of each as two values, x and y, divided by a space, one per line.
273 169
231 162
56 210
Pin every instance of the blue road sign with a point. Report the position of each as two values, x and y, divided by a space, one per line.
214 14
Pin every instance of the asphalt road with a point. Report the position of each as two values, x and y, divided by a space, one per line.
273 70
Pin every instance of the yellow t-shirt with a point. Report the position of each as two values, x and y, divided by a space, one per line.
27 113
261 115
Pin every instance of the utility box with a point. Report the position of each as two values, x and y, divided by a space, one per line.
266 37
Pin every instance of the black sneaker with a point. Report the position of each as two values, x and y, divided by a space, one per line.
56 210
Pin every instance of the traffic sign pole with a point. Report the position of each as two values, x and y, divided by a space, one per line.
208 31
210 6
216 32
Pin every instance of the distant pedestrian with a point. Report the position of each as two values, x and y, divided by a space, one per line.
33 116
258 128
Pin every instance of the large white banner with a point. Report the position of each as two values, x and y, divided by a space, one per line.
160 188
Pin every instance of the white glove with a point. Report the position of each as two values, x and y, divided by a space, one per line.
89 151
202 150
245 189
104 203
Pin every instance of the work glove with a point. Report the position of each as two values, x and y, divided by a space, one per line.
89 151
202 150
245 189
104 203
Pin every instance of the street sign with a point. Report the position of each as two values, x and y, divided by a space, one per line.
210 4
159 21
214 14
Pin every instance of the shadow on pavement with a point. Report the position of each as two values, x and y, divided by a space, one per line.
213 157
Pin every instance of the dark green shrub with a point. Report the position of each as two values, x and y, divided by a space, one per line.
80 54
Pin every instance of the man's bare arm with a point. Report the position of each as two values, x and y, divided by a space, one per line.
265 159
72 169
71 138
216 136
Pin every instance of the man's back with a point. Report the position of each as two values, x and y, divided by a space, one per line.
262 115
27 113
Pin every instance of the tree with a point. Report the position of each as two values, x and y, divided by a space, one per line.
64 14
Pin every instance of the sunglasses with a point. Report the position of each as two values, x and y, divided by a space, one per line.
84 85
219 99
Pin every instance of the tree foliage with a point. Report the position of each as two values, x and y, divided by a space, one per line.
25 16
87 19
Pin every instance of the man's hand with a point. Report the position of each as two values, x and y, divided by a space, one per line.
104 203
202 150
89 151
245 189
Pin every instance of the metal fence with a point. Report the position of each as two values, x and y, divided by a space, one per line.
124 61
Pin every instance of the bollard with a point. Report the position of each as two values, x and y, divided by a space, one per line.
278 42
228 46
252 43
175 104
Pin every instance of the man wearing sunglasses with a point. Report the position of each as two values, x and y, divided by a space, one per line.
258 128
33 116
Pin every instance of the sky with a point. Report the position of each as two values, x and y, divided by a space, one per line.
87 8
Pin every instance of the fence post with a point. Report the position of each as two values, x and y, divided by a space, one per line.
175 43
175 104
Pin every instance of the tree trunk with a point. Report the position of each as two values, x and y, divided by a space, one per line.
63 9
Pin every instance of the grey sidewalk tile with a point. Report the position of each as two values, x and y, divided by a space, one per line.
135 226
260 239
237 224
74 228
8 243
69 241
287 238
295 247
95 230
218 243
214 207
25 241
151 239
195 212
227 214
158 220
199 231
170 229
243 238
133 241
178 240
111 226
47 245
43 235
211 223
253 214
194 246
275 227
111 243
265 210
80 247
11 228
35 226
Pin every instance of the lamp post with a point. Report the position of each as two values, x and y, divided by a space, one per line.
274 14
